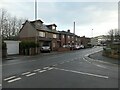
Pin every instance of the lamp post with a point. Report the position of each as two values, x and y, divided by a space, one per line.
92 41
36 19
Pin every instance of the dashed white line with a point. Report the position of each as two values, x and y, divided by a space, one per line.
0 85
45 67
42 71
9 78
36 70
13 80
30 74
26 73
50 68
90 74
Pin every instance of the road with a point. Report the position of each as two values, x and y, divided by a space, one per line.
65 70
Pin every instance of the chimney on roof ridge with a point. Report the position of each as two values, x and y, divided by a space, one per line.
68 30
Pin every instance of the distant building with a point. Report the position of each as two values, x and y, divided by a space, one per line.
98 40
68 38
85 41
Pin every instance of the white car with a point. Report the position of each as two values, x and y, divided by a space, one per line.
45 48
82 46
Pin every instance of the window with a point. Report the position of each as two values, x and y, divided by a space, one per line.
53 27
63 36
42 34
76 38
53 44
54 36
68 36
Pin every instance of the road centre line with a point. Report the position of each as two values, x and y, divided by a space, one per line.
45 67
50 68
42 71
9 78
90 74
30 74
16 79
26 73
36 70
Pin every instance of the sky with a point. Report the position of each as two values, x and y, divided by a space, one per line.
92 18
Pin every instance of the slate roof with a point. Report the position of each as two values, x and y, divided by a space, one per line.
42 27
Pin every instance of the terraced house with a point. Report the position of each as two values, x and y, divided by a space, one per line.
38 31
68 38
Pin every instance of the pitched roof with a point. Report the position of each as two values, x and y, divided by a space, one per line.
65 32
42 27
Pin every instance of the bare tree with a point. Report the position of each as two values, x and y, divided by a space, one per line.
9 26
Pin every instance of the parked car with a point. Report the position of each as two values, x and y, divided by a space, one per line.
82 46
45 48
76 47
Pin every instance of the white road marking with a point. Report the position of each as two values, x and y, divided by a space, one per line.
9 78
37 70
45 67
42 71
90 74
50 68
30 74
53 65
101 66
13 80
0 85
26 73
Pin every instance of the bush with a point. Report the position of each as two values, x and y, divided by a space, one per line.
28 44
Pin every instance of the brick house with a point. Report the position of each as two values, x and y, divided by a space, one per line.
43 34
85 41
68 38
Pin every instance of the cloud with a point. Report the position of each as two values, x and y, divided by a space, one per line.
101 16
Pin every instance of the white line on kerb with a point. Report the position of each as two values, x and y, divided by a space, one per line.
9 78
101 66
37 70
90 74
30 74
42 71
26 73
14 80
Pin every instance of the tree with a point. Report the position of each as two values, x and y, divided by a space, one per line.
9 26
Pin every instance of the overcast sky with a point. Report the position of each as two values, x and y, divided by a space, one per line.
99 16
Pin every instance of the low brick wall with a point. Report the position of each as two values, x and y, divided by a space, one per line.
61 49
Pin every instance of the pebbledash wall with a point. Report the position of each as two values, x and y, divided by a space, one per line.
12 47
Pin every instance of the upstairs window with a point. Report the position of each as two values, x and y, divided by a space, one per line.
42 34
54 36
68 36
53 27
63 36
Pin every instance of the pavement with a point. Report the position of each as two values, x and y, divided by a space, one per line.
100 57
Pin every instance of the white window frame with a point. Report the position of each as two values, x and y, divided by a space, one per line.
42 34
54 35
68 36
63 36
53 27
